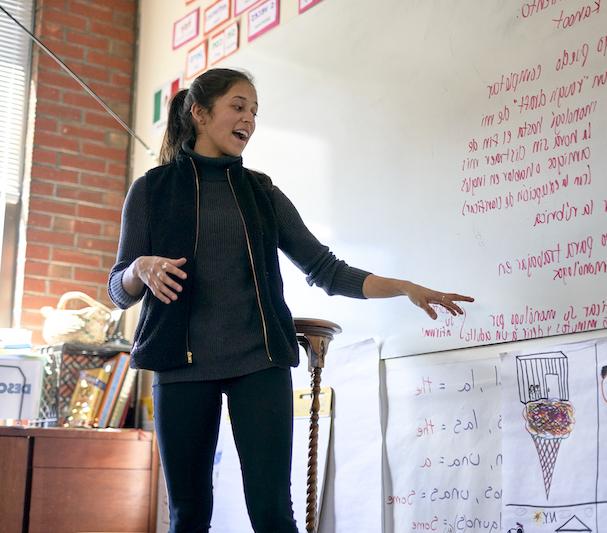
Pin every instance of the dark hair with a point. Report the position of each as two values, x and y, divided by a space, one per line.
204 90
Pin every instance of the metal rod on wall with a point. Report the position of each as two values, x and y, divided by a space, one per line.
80 81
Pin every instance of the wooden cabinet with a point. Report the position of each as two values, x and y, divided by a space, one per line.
76 481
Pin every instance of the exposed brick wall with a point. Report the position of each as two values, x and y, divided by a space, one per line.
80 153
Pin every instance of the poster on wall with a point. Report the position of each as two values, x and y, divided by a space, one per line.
162 98
554 424
216 48
443 446
186 28
304 5
196 60
223 44
216 14
240 6
231 39
263 18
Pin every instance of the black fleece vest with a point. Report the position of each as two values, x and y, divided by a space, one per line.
161 337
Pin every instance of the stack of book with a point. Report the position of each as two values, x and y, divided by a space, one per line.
102 395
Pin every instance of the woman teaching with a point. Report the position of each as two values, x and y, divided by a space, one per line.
199 243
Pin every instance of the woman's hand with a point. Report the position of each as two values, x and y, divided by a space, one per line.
380 287
157 273
423 297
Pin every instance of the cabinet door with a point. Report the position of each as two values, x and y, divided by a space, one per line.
90 485
14 453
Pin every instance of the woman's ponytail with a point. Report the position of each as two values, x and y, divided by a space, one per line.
179 128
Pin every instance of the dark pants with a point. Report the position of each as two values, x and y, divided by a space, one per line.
187 425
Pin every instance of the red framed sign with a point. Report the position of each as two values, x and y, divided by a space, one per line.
240 6
186 28
223 44
231 39
262 18
216 14
304 5
216 49
196 60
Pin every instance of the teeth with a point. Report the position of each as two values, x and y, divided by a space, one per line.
242 133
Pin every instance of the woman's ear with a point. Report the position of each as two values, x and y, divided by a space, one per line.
199 115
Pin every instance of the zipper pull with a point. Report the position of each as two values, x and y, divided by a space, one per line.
189 354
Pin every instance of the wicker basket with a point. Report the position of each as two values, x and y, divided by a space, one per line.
87 325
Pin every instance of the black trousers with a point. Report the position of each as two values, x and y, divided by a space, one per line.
186 416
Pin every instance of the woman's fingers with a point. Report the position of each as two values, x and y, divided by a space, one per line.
161 291
461 298
171 266
447 300
158 291
425 298
164 277
429 311
158 276
166 286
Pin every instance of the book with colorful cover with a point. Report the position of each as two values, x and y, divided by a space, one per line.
130 404
87 396
119 412
112 390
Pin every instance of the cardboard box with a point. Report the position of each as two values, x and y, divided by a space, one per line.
20 386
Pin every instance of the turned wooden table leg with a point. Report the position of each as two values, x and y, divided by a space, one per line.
314 336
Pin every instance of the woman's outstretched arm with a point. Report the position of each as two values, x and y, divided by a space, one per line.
380 287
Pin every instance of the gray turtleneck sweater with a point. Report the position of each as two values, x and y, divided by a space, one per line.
225 325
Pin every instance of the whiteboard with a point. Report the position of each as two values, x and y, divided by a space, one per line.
460 145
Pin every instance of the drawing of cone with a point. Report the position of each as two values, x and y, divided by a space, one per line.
547 451
548 414
548 422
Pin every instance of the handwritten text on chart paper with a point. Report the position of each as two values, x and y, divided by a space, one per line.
452 478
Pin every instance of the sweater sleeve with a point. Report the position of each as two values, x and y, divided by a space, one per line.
134 242
313 258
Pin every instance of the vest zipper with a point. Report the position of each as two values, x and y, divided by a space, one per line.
246 234
188 352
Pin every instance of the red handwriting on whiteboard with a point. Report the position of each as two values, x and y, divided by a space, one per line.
567 90
532 322
599 80
565 19
569 19
578 250
569 116
535 7
570 57
580 269
511 81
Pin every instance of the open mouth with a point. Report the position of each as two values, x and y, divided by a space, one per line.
241 135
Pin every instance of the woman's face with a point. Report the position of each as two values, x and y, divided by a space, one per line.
227 128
